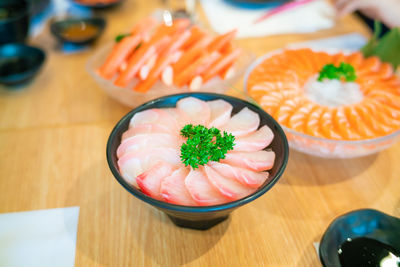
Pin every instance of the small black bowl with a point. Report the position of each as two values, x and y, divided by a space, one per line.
81 26
364 223
98 5
19 63
14 21
207 216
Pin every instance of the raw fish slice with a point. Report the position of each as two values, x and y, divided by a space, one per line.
197 110
220 112
143 141
146 129
173 189
201 190
154 116
256 160
342 125
258 140
243 176
312 122
180 117
150 181
228 186
326 125
242 123
133 163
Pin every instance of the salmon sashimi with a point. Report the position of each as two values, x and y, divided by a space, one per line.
246 177
201 190
368 107
150 181
173 189
242 123
255 160
227 186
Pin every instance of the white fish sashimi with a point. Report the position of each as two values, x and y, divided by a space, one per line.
243 176
228 186
146 128
197 110
173 189
143 141
255 160
133 163
154 116
242 123
150 181
220 112
201 190
258 140
180 117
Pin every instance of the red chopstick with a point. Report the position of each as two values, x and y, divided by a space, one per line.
281 8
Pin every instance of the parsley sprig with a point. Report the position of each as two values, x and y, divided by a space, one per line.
204 145
345 72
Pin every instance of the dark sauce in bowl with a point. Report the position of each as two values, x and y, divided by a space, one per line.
80 32
366 252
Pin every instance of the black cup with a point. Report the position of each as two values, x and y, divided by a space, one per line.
14 21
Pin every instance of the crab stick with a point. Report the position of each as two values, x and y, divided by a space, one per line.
139 59
221 41
223 62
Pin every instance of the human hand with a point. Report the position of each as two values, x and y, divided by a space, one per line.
387 11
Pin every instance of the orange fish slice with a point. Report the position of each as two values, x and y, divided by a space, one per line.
356 121
298 120
341 123
312 125
326 125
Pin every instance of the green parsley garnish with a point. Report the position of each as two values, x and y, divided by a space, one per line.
204 145
121 36
343 72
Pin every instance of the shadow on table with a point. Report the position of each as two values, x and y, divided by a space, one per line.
135 233
328 171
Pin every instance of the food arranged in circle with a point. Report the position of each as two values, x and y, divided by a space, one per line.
334 96
196 154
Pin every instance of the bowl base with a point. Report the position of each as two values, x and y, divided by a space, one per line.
197 225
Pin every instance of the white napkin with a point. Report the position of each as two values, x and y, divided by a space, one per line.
310 17
39 238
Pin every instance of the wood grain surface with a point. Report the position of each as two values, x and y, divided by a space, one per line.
53 135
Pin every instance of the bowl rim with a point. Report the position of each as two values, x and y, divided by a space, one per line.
97 5
32 70
369 141
196 209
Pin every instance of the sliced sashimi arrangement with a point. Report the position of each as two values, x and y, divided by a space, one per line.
178 54
196 154
332 96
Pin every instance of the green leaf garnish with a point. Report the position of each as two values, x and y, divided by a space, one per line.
344 71
387 48
204 145
121 36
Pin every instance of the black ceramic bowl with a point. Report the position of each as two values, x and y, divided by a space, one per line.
81 25
367 223
208 216
19 63
14 21
98 5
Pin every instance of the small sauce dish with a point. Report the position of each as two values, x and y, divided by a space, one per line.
78 31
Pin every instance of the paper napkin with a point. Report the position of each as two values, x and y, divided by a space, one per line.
310 17
42 238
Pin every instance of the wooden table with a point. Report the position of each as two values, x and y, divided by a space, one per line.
53 135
